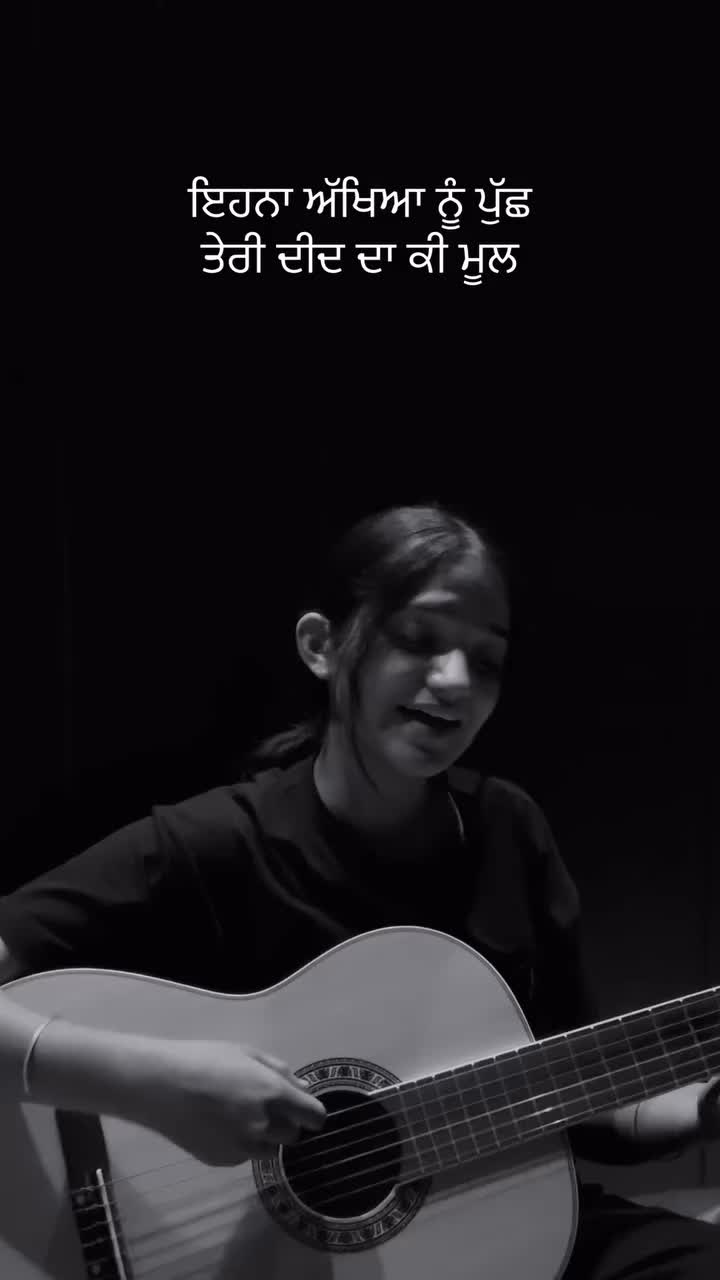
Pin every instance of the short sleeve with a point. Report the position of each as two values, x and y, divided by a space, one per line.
146 899
93 910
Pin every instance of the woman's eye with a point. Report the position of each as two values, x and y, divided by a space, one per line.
416 638
410 635
419 639
489 670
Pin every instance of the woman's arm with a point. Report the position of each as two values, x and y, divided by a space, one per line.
224 1103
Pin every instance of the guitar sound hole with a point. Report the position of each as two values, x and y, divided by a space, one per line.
352 1165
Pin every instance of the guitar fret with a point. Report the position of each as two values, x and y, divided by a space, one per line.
444 1138
517 1089
592 1063
460 1129
420 1127
649 1054
621 1078
572 1097
604 1092
476 1136
413 1155
465 1140
629 1078
469 1136
582 1101
694 1041
702 1017
480 1111
665 1064
549 1110
490 1077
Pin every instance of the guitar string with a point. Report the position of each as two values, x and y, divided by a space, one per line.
458 818
418 1107
507 1123
253 1193
169 1234
453 1100
489 1149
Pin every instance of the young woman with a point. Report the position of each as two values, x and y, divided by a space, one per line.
353 820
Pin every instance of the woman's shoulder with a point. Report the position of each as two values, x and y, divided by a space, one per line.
516 836
494 792
234 807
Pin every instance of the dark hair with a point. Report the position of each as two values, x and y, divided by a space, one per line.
371 572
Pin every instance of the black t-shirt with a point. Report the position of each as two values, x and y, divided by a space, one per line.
237 888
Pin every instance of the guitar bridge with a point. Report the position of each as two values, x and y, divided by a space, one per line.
88 1170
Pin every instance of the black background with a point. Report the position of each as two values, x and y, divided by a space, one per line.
187 443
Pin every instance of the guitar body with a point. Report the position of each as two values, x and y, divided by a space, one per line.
396 1004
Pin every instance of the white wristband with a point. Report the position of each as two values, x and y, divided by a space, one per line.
28 1056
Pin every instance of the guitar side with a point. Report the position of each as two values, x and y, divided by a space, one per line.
409 1002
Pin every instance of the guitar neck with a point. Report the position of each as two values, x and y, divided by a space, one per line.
496 1103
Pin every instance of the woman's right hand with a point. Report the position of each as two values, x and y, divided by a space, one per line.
221 1102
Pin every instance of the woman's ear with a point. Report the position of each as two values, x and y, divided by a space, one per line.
313 636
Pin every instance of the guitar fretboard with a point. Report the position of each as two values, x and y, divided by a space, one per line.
484 1107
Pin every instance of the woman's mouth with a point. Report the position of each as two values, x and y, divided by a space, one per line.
439 724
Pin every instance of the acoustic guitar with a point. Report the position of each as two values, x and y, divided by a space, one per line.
443 1156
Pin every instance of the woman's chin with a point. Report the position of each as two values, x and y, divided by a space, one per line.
415 763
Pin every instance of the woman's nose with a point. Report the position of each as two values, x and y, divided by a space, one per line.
453 669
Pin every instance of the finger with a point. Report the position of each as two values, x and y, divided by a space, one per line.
300 1109
308 1112
282 1068
276 1064
284 1133
294 1096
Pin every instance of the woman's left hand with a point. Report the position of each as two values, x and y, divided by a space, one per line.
709 1110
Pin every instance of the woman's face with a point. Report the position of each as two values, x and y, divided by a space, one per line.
432 677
